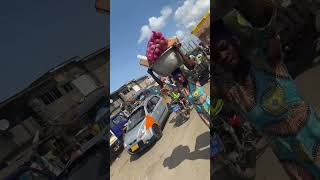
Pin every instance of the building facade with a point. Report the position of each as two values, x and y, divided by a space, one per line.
57 103
121 97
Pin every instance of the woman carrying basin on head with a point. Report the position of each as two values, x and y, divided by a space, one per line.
189 86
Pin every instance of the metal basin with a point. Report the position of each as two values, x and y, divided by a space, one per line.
169 61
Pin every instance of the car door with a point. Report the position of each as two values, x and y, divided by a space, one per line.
158 108
151 108
161 106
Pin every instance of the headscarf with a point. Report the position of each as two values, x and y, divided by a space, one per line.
175 73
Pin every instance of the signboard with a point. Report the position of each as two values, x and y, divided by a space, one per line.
204 23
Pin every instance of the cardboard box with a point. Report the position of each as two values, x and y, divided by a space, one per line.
172 40
144 62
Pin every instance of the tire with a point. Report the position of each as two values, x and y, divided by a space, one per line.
157 132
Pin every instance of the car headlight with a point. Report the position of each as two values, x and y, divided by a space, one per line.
142 133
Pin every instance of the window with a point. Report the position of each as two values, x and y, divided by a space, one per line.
152 104
126 91
135 118
67 87
119 119
50 96
56 93
155 100
150 107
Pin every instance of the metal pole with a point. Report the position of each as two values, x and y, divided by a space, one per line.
190 46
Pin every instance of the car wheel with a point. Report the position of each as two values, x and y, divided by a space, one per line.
157 133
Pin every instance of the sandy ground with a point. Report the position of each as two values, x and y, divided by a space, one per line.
182 153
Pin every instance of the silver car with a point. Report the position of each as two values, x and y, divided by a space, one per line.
145 124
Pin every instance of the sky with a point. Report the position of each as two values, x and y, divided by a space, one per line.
38 36
132 23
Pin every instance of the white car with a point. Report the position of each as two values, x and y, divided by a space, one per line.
145 124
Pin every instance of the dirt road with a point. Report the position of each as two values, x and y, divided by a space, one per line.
182 153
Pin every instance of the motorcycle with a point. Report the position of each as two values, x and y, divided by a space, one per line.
233 141
181 107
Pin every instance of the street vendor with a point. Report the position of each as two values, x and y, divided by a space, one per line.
261 84
194 92
188 84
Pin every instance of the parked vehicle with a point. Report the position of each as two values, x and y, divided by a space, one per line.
145 124
179 104
155 90
115 143
144 93
117 124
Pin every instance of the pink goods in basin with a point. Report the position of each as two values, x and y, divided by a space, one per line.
167 62
156 46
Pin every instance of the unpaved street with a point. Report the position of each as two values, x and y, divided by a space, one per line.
182 153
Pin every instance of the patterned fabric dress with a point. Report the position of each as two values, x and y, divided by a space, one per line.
273 104
195 94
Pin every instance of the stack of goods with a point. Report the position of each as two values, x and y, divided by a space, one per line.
156 46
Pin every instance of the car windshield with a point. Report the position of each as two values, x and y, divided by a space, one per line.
135 118
118 119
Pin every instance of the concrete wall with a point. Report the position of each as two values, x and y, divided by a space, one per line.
127 96
63 109
143 83
59 107
20 135
98 67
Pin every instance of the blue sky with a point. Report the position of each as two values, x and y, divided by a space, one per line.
127 19
38 36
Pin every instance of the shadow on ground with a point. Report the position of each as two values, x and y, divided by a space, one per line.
181 153
178 120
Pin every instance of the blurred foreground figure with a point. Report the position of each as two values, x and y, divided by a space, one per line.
259 82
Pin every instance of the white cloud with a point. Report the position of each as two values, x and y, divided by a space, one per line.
190 12
141 57
145 32
180 35
166 11
155 23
